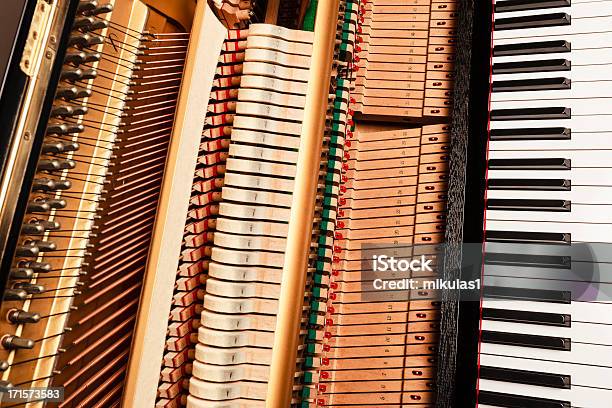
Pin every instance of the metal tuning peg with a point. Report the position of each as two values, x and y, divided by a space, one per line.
15 294
59 147
21 273
56 204
67 164
48 165
39 267
81 57
37 206
45 184
68 111
17 316
105 8
71 75
43 246
30 288
64 128
85 40
32 228
15 342
26 251
4 385
87 5
87 24
71 93
90 74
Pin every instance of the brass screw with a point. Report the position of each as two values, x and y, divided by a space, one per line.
27 135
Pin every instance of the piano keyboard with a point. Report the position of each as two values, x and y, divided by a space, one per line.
546 327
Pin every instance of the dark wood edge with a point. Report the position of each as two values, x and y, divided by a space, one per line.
8 241
459 326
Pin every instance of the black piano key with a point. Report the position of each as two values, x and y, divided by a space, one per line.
499 399
540 47
503 204
522 5
528 260
555 133
527 317
529 237
526 340
532 66
557 112
532 21
530 164
530 184
525 377
536 84
527 294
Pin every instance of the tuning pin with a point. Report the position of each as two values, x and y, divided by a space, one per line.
57 204
85 40
69 111
85 6
48 165
39 267
37 206
21 273
45 184
59 147
49 225
32 229
4 385
26 251
72 92
30 288
17 316
43 246
105 8
15 294
72 74
86 24
67 164
64 128
77 58
16 342
55 165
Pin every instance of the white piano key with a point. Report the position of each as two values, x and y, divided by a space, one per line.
581 375
578 141
578 72
587 312
580 158
580 397
578 176
601 214
580 354
580 232
578 25
576 10
577 195
581 291
589 89
578 332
